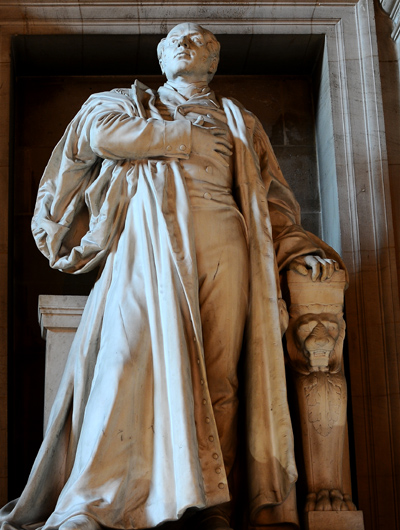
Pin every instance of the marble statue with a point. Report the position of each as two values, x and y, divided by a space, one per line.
178 198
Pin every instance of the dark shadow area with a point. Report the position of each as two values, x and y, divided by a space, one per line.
137 54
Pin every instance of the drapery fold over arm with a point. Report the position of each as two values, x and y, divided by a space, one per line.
118 136
290 238
89 180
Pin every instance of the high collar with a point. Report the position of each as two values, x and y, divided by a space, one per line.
171 96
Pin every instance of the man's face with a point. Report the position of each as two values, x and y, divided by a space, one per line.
186 54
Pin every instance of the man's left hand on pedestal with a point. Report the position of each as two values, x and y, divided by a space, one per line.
321 268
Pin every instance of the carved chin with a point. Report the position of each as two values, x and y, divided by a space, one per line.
319 357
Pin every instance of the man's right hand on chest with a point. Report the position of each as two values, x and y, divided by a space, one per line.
207 139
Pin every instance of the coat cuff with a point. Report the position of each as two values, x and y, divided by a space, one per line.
178 139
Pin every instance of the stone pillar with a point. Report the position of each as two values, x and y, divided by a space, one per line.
315 345
59 317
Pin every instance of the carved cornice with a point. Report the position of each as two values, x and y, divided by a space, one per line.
31 13
392 8
60 312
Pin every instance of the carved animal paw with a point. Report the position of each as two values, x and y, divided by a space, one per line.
341 501
310 502
323 502
329 500
80 522
350 504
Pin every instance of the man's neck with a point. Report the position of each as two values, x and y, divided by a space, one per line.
187 90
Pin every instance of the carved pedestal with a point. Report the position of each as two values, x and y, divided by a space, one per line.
59 317
315 346
334 521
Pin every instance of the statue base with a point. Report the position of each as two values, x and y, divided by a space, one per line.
324 520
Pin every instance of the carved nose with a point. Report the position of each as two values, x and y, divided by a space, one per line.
319 335
183 42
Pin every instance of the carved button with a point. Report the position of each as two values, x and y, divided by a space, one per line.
209 169
207 420
221 485
168 148
211 438
194 339
207 195
198 361
215 456
201 382
182 147
204 402
218 470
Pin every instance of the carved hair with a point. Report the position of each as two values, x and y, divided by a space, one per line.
212 44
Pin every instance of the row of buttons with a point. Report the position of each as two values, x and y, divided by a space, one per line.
218 470
181 147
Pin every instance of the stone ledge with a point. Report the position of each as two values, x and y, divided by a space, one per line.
334 520
60 312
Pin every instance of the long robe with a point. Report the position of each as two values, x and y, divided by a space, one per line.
127 441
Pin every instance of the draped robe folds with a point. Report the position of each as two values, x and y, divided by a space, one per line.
127 441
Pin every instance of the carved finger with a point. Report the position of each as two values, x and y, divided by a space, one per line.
218 123
222 159
223 151
315 270
298 266
225 143
199 121
331 267
323 268
217 131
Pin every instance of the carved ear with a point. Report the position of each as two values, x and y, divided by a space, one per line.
213 66
336 358
297 357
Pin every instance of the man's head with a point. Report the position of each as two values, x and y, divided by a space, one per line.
189 52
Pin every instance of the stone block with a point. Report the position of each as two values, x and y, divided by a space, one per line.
325 520
59 318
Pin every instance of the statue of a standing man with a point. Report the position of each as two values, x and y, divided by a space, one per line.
177 195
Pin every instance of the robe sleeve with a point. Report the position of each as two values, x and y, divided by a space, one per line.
116 135
91 177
